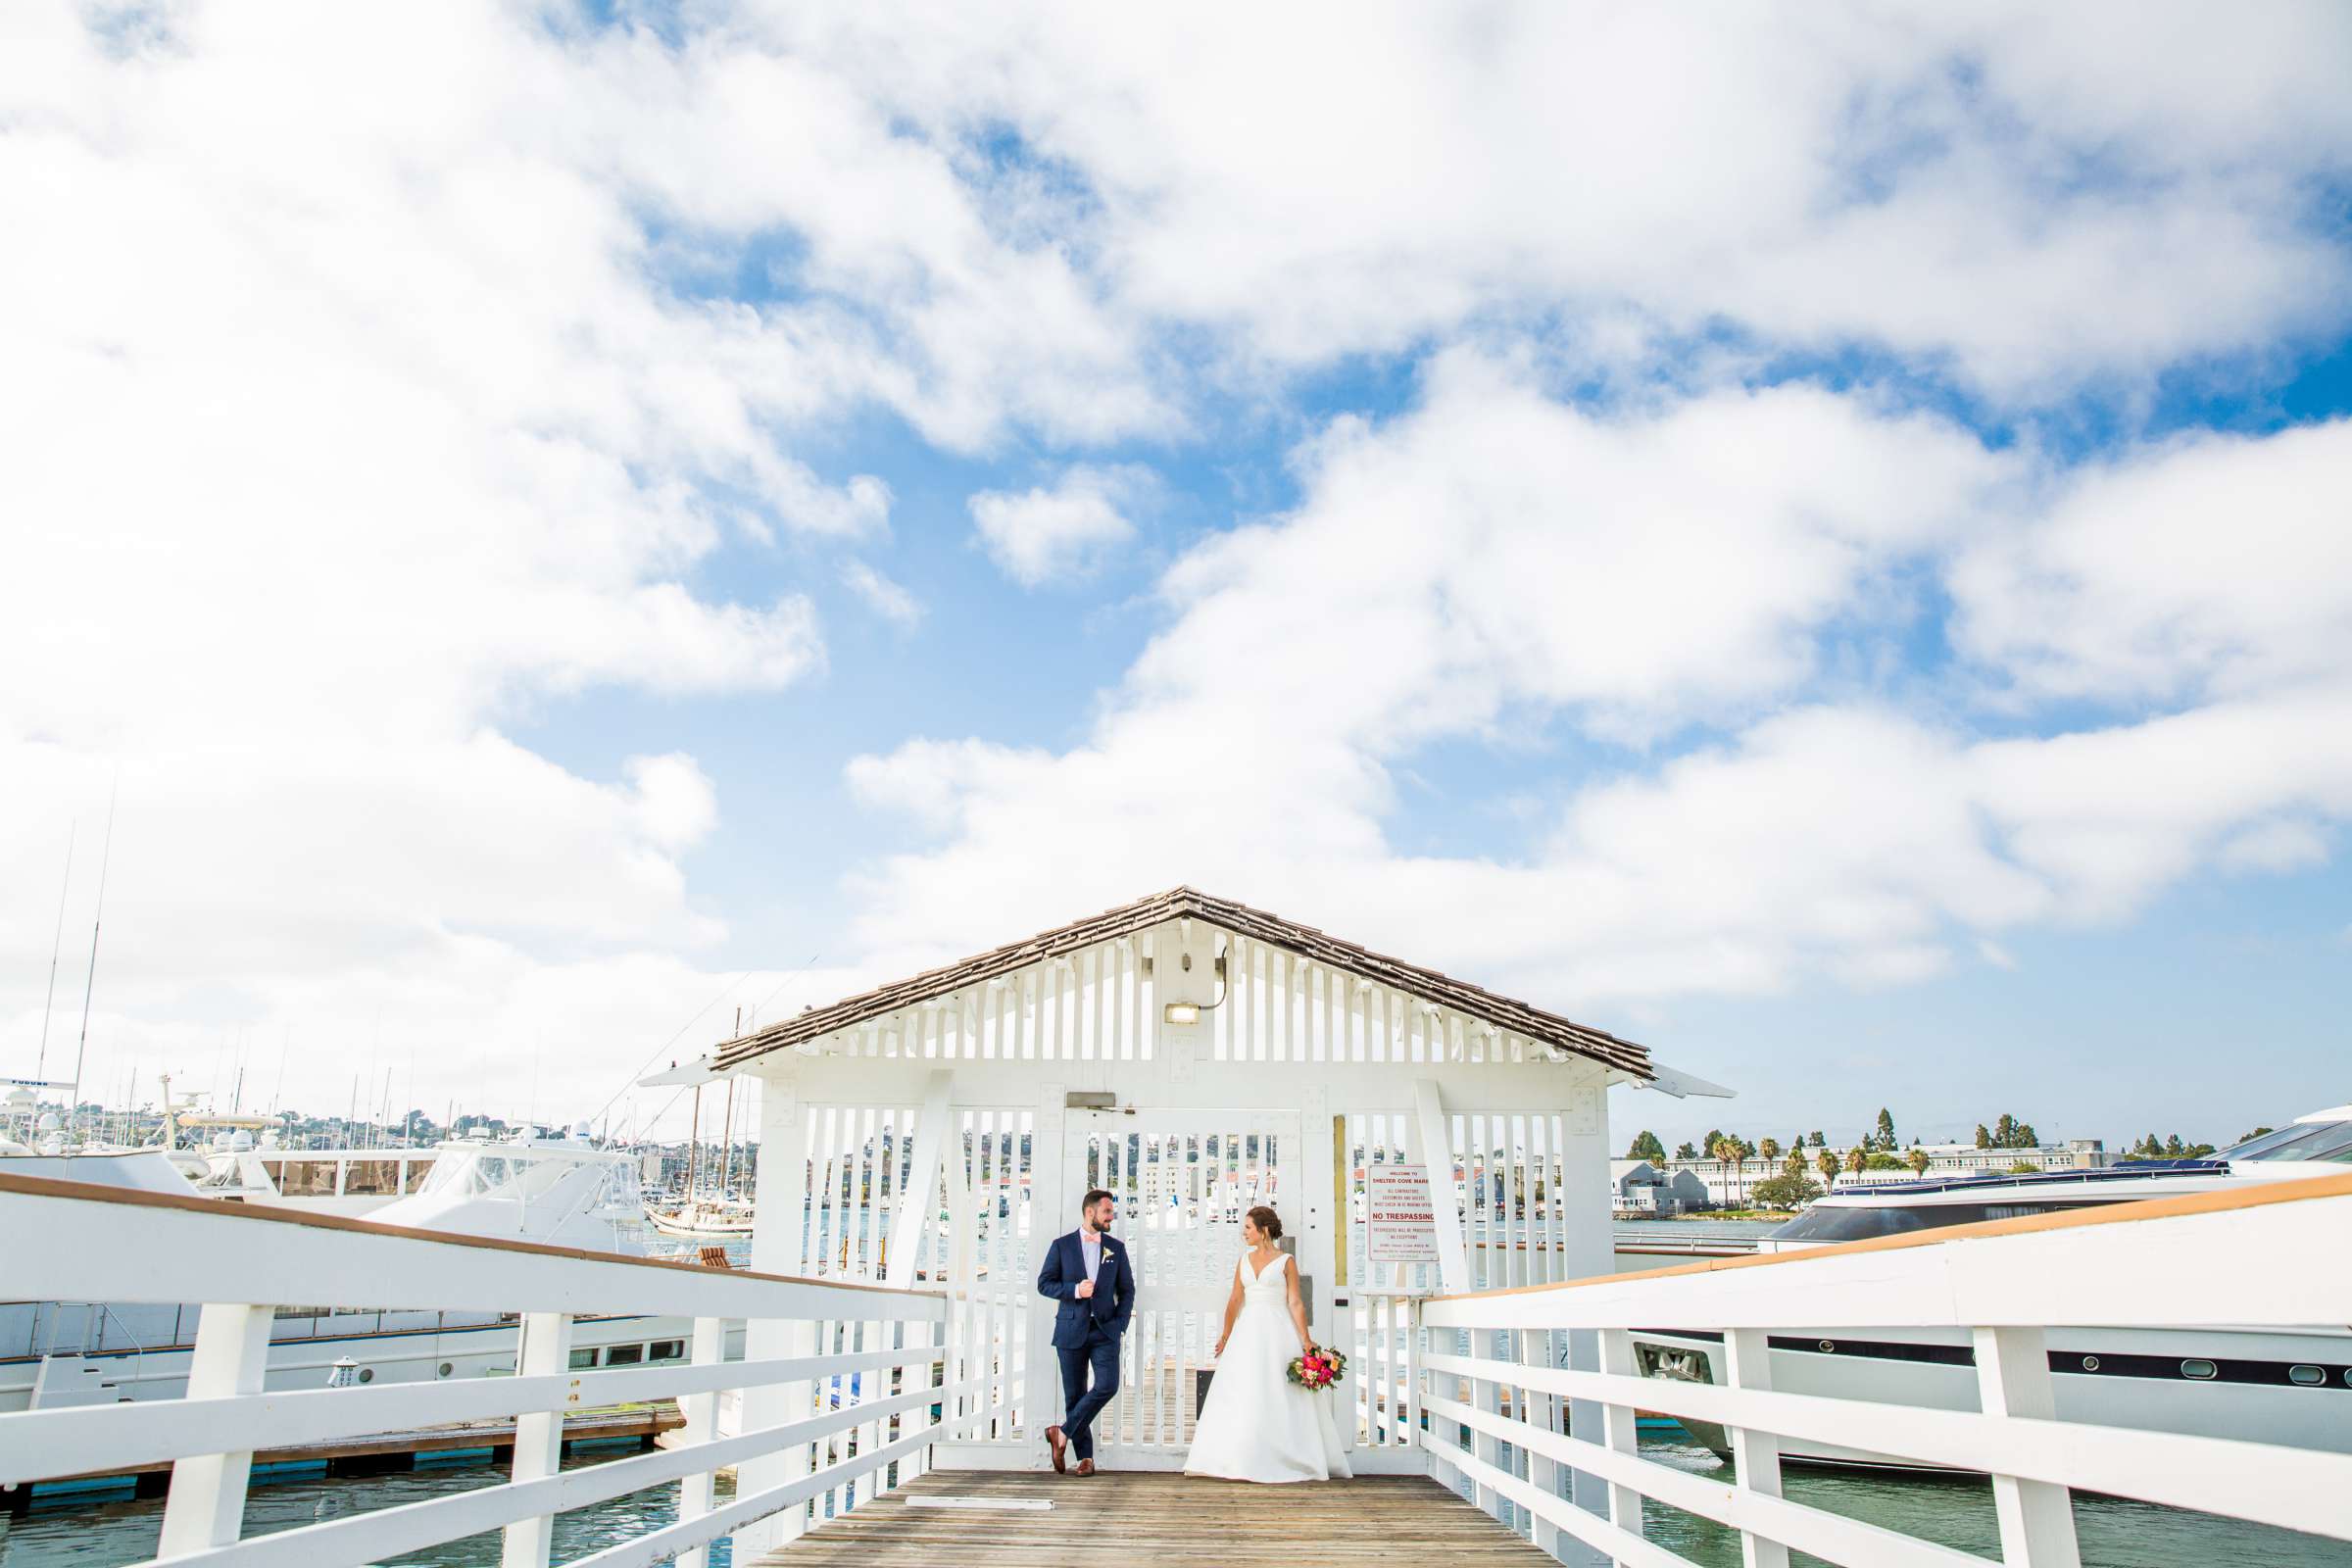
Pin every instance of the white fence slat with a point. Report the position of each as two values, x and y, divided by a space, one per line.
1542 1412
35 1445
1629 1549
657 1546
1755 1455
1619 1423
205 1504
2294 1489
546 1350
701 1411
2037 1518
366 1538
1833 1537
234 1251
2087 1272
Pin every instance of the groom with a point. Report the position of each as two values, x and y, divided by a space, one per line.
1087 1272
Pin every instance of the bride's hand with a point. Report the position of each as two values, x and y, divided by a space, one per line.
1219 1352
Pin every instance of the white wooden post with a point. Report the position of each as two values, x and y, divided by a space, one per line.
1755 1455
1412 1309
1318 1257
2037 1518
1617 1427
920 1201
545 1351
701 1411
205 1505
968 1356
1435 1138
778 1238
1436 1157
925 1376
1052 1209
1541 1410
1586 1250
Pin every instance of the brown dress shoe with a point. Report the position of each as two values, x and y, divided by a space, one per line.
1086 1467
1060 1447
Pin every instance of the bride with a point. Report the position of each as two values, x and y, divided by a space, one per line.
1257 1425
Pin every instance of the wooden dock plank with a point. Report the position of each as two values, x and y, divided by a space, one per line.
1172 1521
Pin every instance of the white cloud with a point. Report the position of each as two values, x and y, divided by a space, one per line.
389 375
2219 563
884 597
1494 561
2030 199
1042 535
2275 847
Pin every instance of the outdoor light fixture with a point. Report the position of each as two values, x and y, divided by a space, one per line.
1182 1013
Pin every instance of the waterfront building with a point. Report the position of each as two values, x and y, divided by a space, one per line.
1640 1190
1967 1159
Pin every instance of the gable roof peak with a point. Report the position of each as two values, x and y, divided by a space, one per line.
1180 901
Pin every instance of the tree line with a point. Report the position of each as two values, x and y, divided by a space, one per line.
1794 1165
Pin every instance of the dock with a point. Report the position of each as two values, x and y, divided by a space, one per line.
984 1517
380 1454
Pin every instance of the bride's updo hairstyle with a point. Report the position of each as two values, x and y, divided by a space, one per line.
1268 1223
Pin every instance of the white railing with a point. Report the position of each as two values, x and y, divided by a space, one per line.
803 1455
1492 1393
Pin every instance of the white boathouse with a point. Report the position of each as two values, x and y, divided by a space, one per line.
1195 1056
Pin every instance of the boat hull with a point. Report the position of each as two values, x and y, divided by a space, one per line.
383 1347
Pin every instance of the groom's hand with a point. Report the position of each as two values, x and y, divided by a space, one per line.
1086 1289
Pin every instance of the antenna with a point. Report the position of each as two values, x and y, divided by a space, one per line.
90 982
56 945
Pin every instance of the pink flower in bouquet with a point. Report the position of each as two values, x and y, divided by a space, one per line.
1318 1368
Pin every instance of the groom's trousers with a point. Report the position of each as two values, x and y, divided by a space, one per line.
1099 1354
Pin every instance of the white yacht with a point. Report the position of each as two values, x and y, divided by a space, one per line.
2294 1389
353 1181
564 1191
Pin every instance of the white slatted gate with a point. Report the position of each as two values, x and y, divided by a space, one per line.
1183 1179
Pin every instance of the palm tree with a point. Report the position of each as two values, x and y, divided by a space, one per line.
1727 1152
1916 1160
1770 1149
1829 1167
1856 1158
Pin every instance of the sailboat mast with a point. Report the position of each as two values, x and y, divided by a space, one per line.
56 945
693 1145
90 983
726 1143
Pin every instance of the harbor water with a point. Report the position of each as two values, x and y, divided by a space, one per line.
126 1529
1957 1512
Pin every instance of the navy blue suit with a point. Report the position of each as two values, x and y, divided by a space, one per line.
1086 1333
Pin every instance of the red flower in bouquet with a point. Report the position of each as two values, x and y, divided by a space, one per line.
1318 1368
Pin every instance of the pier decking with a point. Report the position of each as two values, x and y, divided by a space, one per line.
1172 1521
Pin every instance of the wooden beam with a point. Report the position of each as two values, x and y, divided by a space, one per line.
920 1200
1436 1157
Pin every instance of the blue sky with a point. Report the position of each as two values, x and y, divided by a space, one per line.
1822 551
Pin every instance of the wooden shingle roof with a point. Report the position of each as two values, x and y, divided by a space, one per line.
1303 941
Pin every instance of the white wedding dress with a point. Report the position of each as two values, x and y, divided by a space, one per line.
1257 1424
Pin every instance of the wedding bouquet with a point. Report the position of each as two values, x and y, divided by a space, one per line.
1318 1368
